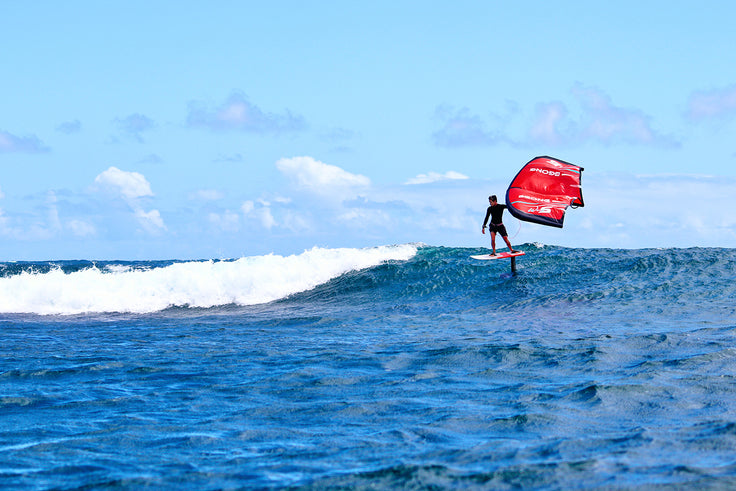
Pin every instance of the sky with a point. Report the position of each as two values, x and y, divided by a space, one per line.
190 130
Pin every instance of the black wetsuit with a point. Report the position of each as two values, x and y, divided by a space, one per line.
496 214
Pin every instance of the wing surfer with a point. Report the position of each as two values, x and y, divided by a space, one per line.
495 211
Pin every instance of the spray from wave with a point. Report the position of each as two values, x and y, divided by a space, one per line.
245 281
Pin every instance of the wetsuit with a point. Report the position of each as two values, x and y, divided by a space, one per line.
496 214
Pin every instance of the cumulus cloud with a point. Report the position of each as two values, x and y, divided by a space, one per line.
435 177
318 177
150 220
22 144
132 187
327 197
238 113
712 104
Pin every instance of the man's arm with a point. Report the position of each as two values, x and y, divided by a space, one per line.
485 220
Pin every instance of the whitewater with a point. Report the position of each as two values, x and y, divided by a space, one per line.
76 287
404 366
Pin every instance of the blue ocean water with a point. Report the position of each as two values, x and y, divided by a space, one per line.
401 367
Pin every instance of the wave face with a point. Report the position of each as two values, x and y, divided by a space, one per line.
631 286
73 287
547 275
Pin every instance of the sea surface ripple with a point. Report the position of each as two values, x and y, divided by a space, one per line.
588 369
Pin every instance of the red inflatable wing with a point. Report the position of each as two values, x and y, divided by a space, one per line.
543 189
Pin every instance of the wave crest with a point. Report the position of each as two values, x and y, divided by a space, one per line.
245 281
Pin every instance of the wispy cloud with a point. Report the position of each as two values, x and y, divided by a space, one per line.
260 211
131 187
69 127
22 144
604 122
227 221
712 104
341 139
44 222
238 113
596 119
151 158
334 201
206 195
622 210
231 159
461 128
134 125
430 177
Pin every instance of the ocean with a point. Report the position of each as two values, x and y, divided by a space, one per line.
395 367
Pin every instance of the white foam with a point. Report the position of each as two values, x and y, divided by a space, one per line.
245 281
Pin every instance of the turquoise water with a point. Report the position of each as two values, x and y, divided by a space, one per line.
422 369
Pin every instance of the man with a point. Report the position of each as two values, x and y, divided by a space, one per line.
495 211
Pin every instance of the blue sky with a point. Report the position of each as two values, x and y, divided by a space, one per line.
143 130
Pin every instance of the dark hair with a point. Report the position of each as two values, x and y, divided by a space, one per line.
492 197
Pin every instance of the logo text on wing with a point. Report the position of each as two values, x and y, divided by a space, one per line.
545 171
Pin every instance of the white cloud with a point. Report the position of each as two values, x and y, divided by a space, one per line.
435 177
151 221
261 213
622 211
130 185
318 177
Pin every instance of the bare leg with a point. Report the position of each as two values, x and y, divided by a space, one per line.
508 243
493 243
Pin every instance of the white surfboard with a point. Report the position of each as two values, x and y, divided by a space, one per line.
499 255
